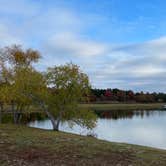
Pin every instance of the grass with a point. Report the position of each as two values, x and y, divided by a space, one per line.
25 146
109 107
120 106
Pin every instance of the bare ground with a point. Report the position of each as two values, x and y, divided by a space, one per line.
24 146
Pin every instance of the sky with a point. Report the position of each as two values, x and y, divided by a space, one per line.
118 43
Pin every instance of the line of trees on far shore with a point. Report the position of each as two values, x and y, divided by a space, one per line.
118 95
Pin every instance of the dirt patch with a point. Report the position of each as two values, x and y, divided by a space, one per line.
33 154
42 156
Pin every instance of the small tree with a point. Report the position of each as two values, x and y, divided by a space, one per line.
69 86
14 63
1 103
5 78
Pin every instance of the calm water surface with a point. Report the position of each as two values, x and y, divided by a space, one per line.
139 127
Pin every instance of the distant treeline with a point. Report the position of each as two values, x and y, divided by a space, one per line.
118 95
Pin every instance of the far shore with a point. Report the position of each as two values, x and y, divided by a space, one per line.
124 106
110 107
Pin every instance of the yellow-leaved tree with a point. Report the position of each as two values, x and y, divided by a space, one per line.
69 86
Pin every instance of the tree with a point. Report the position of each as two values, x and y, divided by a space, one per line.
69 86
15 63
1 103
58 92
108 94
18 57
5 78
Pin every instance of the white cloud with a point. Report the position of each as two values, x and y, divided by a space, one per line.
6 37
149 70
69 44
137 65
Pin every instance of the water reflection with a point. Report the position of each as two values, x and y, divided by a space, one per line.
125 114
135 127
25 118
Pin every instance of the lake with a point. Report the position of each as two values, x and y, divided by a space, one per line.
135 127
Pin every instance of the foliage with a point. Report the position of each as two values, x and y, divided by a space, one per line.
69 87
118 95
57 92
15 63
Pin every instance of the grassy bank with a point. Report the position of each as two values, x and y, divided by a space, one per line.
120 106
107 107
21 145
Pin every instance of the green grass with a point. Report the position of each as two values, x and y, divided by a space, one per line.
21 145
111 107
120 106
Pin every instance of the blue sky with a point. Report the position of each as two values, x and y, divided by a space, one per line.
118 43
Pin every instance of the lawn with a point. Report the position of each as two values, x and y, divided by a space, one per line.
121 106
25 146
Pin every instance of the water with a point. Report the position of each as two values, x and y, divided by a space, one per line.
139 127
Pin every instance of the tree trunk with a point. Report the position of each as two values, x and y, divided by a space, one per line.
18 119
1 110
51 117
55 123
0 116
14 113
58 120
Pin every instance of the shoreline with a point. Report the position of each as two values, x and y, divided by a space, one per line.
123 106
22 145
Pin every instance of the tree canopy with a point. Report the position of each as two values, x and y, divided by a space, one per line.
70 86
